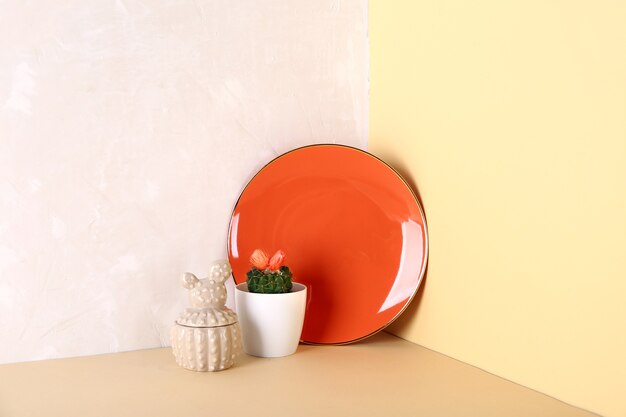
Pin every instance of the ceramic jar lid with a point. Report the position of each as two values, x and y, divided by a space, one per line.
208 299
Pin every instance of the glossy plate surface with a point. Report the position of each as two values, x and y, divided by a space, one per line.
353 231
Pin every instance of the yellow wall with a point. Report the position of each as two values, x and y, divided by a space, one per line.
510 117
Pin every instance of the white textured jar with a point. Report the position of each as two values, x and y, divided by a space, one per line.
206 337
206 348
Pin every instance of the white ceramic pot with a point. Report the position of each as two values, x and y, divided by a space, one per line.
271 324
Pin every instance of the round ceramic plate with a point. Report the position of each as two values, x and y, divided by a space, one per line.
353 231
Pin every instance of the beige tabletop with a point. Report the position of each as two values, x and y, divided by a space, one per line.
382 376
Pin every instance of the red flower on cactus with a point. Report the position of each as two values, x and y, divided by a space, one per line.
277 260
259 259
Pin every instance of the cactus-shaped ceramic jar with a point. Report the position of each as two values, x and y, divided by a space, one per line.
206 337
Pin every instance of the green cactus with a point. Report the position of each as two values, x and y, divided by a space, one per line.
269 282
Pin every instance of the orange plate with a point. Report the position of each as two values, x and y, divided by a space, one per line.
353 231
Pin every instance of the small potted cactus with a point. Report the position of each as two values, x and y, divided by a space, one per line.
270 307
268 276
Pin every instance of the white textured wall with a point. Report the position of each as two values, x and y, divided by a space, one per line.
127 131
